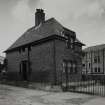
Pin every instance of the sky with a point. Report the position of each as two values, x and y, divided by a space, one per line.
85 17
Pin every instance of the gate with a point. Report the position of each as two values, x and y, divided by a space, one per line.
90 84
73 80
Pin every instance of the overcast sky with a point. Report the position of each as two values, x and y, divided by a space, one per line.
85 17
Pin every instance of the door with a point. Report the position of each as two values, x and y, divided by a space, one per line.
65 76
25 70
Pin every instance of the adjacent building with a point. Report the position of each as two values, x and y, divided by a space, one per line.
47 52
2 59
94 61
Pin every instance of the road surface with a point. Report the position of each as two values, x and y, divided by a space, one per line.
10 95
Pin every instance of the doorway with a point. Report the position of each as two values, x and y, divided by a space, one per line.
24 70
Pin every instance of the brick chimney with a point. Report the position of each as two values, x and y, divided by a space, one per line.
39 16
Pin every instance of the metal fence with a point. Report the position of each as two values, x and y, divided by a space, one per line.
94 86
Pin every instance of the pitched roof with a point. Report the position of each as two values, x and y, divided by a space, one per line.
95 48
48 28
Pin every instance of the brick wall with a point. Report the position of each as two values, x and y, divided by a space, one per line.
13 65
41 57
63 53
41 63
45 62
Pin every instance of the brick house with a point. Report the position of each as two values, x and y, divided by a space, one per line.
48 53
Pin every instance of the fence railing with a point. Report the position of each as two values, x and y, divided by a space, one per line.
94 87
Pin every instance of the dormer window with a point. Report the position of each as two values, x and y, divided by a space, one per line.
70 42
67 43
69 39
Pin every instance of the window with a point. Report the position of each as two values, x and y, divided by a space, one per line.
23 49
95 69
89 65
70 42
64 66
98 59
69 67
83 65
98 69
20 50
67 43
74 68
95 59
29 48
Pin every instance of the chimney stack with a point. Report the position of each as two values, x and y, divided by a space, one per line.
39 16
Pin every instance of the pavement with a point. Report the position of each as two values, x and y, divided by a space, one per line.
10 95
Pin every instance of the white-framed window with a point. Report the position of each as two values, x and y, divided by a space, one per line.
64 66
74 67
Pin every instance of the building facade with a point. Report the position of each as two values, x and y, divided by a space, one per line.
1 63
2 59
94 61
47 53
